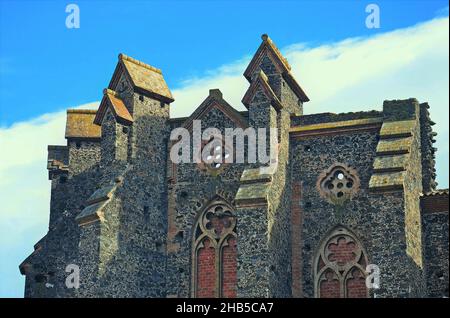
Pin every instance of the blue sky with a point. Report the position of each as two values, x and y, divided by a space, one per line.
58 67
342 65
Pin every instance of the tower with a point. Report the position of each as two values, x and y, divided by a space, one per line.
264 195
124 223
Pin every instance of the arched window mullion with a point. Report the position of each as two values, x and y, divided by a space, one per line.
217 224
341 252
223 243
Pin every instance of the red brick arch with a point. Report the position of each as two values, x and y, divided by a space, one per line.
214 256
339 266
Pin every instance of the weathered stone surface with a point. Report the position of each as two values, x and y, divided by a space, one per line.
394 146
389 163
387 180
397 129
345 191
435 238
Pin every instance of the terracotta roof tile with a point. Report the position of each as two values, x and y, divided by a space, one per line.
120 111
80 124
146 77
435 201
119 108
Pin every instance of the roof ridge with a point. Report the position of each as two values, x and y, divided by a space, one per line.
137 62
261 77
82 111
215 95
269 41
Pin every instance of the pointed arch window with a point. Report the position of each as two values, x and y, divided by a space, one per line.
339 267
214 255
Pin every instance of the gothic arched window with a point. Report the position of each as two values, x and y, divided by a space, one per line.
214 263
339 267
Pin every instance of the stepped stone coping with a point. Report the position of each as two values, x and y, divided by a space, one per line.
390 163
396 129
96 202
394 146
260 81
101 194
387 181
252 193
337 124
91 213
255 176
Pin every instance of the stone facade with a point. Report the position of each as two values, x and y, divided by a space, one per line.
344 195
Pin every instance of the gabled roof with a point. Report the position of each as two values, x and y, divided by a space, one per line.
268 48
111 99
261 81
215 100
80 124
144 78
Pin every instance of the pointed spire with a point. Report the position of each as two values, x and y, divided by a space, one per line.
269 49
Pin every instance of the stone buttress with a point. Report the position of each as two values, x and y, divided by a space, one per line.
263 199
342 193
125 220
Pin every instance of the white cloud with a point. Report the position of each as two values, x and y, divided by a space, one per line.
351 75
355 75
24 187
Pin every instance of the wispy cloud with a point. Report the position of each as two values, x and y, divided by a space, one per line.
25 191
351 75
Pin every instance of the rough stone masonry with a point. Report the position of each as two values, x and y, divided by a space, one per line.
351 190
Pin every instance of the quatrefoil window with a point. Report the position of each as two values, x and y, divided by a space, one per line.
213 155
338 184
218 220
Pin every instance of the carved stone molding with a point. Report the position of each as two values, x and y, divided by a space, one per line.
338 184
339 262
215 226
